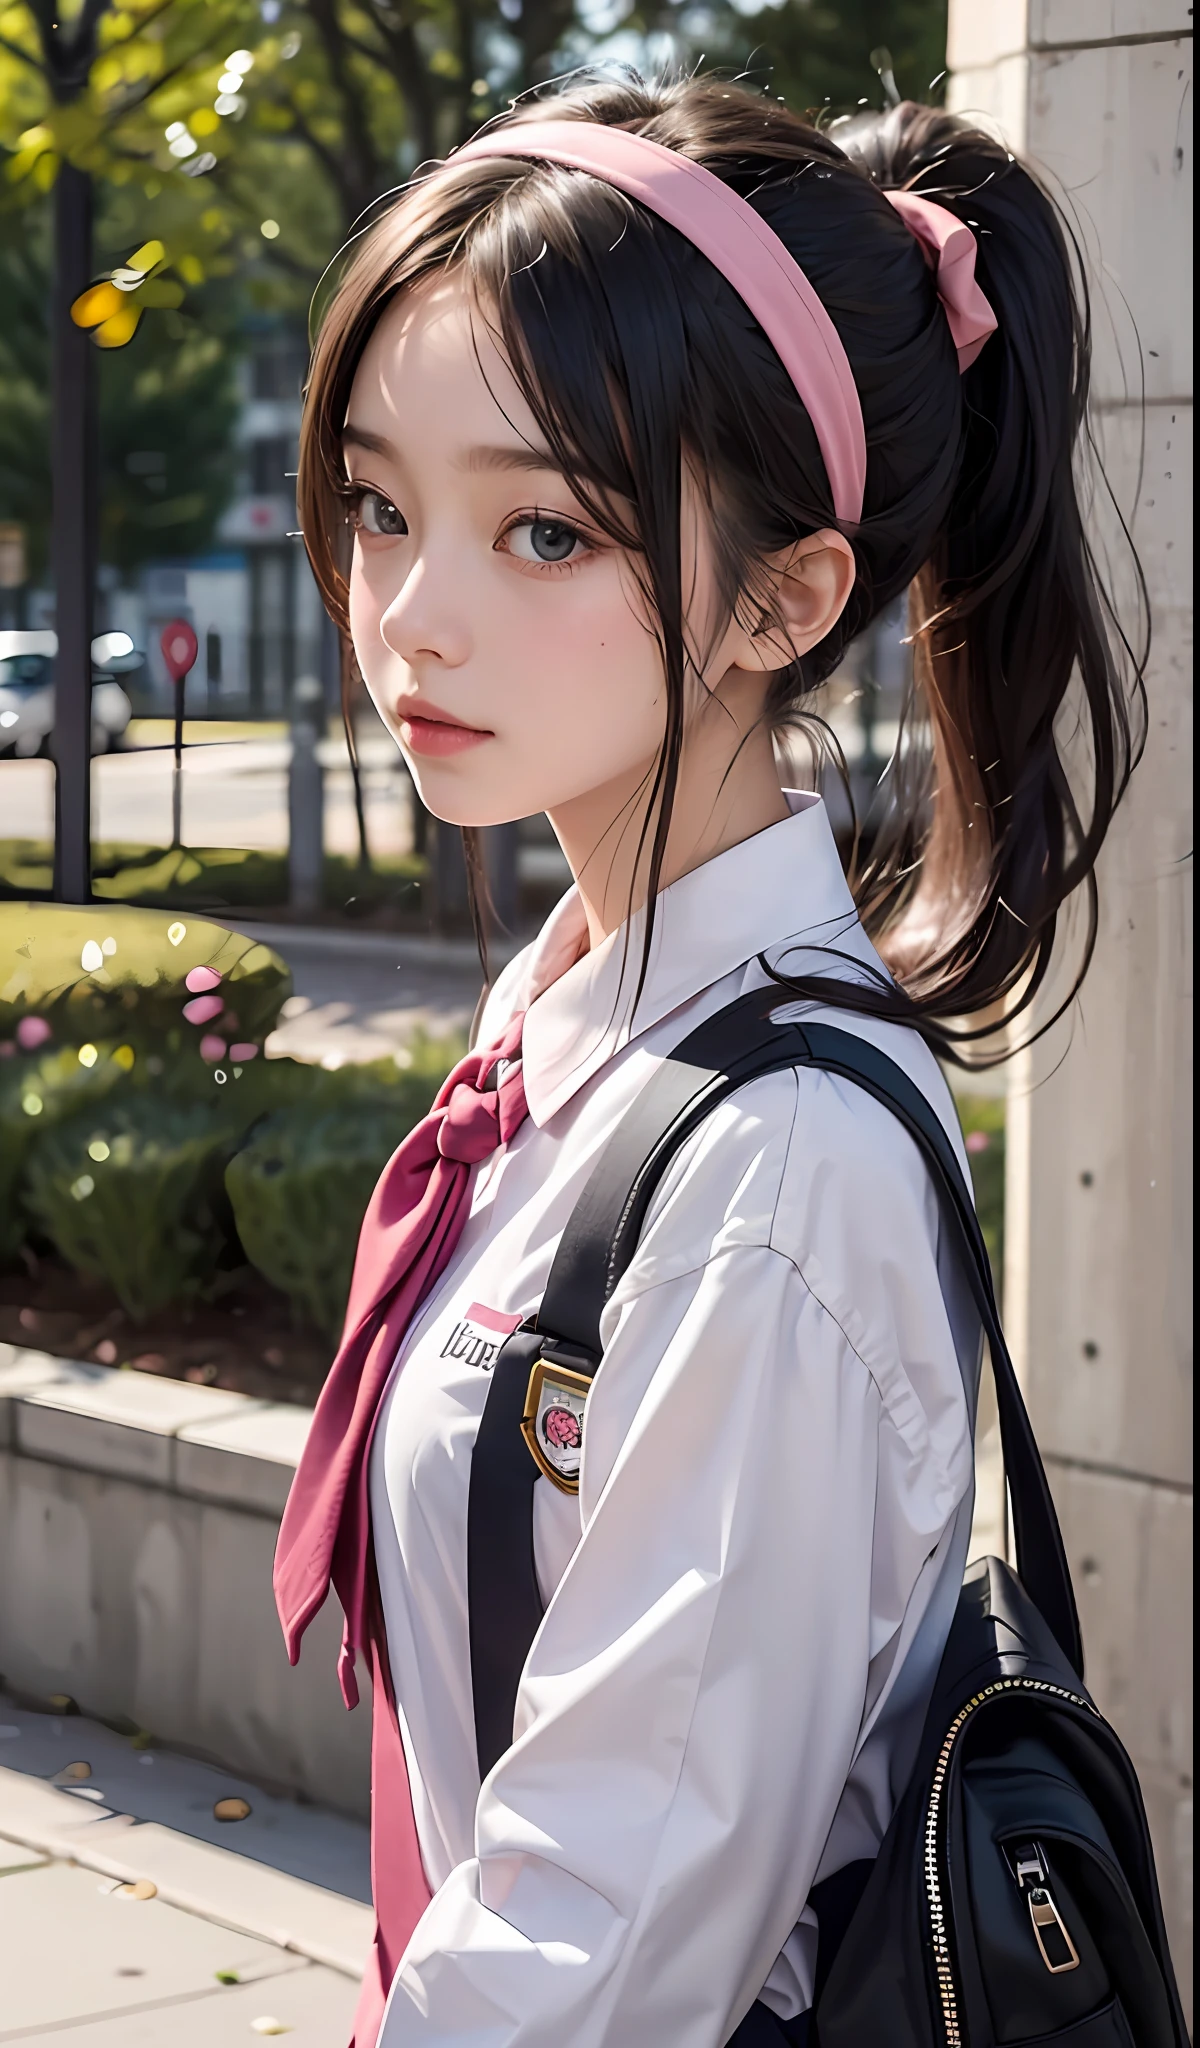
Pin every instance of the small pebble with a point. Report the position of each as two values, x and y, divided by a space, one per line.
76 1771
145 1888
231 1809
266 2025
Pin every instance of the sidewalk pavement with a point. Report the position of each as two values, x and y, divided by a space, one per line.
361 995
133 1916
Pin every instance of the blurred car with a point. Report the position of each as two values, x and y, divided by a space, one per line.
27 691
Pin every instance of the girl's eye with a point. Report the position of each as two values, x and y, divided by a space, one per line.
544 540
377 514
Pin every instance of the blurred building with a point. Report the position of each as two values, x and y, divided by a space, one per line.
251 599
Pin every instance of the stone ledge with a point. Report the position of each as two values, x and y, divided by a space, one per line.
217 1884
137 1527
197 1441
246 1456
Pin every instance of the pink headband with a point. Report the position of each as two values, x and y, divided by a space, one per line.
750 255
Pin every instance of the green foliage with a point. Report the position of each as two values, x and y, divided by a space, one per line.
36 1092
983 1122
819 55
299 1188
39 1091
119 974
219 878
131 1192
167 408
120 1160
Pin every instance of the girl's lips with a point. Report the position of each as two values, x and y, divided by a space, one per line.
433 736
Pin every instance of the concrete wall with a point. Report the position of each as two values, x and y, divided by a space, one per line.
1098 92
137 1529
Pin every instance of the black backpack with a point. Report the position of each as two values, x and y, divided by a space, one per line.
1014 1897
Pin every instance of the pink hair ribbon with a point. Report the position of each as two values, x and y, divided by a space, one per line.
950 250
738 243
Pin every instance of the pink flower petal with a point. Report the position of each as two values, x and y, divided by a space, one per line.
203 1009
31 1032
202 978
8 1047
242 1053
212 1047
977 1141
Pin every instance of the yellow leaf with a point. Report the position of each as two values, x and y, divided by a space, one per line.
121 328
147 256
98 303
204 121
45 171
191 270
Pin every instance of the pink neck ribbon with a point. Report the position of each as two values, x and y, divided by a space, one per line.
409 1234
750 256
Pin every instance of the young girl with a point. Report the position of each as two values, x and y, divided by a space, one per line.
621 423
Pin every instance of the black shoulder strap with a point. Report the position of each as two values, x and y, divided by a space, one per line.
730 1049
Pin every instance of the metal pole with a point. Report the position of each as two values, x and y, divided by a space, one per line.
177 783
74 478
306 797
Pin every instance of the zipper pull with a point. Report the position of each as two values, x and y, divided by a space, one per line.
1055 1946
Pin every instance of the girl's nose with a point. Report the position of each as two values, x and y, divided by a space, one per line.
426 620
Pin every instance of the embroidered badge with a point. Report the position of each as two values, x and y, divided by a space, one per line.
478 1336
552 1424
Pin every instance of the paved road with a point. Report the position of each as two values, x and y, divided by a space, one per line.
360 995
130 1917
234 794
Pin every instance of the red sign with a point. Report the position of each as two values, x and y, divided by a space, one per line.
179 648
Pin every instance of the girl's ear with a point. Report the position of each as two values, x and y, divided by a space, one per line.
811 583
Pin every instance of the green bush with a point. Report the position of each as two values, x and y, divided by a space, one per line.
131 1191
299 1190
36 1092
85 975
218 878
39 1091
299 1187
983 1122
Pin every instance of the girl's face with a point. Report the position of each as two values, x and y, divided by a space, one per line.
501 636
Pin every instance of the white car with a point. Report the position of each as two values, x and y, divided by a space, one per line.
27 691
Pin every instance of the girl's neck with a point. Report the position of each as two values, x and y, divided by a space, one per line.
728 790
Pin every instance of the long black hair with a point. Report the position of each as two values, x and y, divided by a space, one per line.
636 358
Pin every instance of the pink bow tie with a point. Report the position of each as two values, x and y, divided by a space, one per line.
409 1233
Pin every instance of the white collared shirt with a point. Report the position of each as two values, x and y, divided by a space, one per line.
748 1599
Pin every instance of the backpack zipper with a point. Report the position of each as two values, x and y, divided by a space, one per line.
947 1989
1031 1869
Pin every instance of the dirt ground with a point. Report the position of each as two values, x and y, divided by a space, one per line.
245 1342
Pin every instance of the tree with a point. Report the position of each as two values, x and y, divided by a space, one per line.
167 406
825 57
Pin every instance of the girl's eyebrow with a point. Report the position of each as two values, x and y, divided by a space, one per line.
510 457
361 437
475 461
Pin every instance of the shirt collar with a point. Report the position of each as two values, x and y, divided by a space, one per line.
781 887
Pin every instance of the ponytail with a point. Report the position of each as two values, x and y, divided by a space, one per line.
1017 658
